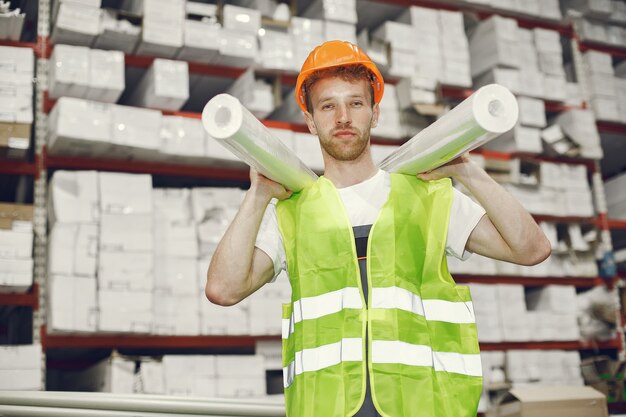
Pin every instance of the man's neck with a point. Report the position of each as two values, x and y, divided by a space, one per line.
347 173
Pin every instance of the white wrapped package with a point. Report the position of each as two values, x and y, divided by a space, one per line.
225 119
483 116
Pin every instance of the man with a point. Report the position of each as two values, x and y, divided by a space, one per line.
376 326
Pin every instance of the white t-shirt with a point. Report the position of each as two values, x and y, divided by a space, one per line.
363 201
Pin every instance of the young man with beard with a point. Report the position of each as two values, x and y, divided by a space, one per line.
376 326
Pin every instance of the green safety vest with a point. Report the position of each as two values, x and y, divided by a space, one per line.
423 355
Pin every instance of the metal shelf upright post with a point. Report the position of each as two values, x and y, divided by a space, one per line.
41 178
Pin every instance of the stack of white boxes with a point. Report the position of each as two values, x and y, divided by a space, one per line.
165 85
543 367
513 314
116 33
183 140
126 259
550 58
493 363
16 100
222 376
238 38
213 209
615 197
176 295
266 307
79 127
276 51
306 34
333 10
580 127
162 28
94 74
402 38
16 247
487 312
20 367
601 86
255 95
493 45
454 50
307 148
554 196
201 41
74 215
76 22
620 89
552 312
11 22
115 374
134 132
390 118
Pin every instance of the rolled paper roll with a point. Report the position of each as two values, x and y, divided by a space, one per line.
491 111
228 121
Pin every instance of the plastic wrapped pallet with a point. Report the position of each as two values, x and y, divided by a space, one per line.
164 86
116 34
489 112
227 120
337 10
201 42
163 26
76 24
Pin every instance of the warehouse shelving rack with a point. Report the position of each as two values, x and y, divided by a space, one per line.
42 162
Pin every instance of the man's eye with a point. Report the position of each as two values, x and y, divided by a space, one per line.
357 103
327 107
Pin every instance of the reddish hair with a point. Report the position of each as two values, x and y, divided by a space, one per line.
350 73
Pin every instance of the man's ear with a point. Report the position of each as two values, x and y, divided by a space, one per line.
308 117
375 114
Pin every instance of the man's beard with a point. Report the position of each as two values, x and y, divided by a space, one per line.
340 152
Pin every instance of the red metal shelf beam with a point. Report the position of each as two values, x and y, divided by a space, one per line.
17 167
564 219
611 127
617 224
51 341
578 282
572 345
595 46
28 299
144 167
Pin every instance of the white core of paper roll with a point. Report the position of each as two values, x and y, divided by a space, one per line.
227 120
483 116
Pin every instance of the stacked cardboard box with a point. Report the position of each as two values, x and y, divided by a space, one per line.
77 71
162 26
276 50
126 253
16 100
601 85
76 22
16 247
615 198
201 37
305 34
164 86
11 22
176 308
543 367
20 367
74 215
552 311
255 94
116 33
238 38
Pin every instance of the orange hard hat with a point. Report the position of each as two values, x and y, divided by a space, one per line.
335 54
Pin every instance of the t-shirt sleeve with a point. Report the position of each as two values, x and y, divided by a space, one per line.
465 214
270 241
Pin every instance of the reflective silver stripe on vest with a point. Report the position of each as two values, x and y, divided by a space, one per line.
398 352
288 328
322 305
309 308
436 310
349 349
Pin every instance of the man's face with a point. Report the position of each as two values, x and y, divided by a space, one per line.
342 116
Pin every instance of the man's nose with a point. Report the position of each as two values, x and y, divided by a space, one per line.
343 115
